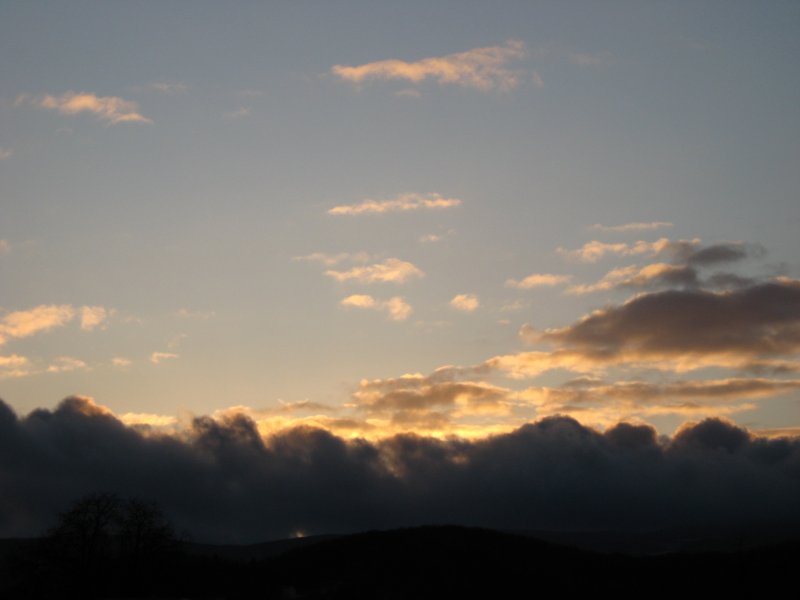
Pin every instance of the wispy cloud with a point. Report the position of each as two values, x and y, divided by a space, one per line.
14 366
391 270
595 250
625 227
110 109
121 361
67 363
538 280
158 357
239 113
330 260
634 277
6 153
402 203
168 87
5 247
397 308
479 68
465 302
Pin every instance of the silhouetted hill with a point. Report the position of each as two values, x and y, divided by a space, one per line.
421 562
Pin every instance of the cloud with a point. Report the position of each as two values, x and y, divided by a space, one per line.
222 481
148 419
239 113
14 366
591 59
111 109
402 203
5 247
24 323
92 316
676 330
648 277
121 361
6 153
479 68
624 399
330 260
170 88
64 364
465 302
203 315
625 227
595 250
397 308
391 270
158 357
538 280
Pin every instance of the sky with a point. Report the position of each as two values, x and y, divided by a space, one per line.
439 218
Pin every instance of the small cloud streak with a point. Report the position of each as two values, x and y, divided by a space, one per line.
397 308
6 153
465 302
159 357
110 109
65 364
480 68
402 203
330 260
121 361
625 227
538 280
391 270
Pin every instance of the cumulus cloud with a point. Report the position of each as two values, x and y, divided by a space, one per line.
24 323
110 109
626 227
391 270
479 68
402 203
221 480
465 302
538 280
158 357
397 308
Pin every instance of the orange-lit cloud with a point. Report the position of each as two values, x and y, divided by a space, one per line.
480 68
397 308
402 203
595 250
633 277
111 109
465 302
24 323
121 361
538 280
391 270
14 366
92 316
158 357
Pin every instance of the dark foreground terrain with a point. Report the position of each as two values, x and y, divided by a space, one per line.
425 562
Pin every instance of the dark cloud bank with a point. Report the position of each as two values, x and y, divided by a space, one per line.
223 482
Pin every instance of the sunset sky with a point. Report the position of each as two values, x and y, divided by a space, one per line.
442 218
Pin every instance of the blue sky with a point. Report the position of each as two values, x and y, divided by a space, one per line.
168 173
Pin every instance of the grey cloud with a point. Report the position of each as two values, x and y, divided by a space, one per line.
222 481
